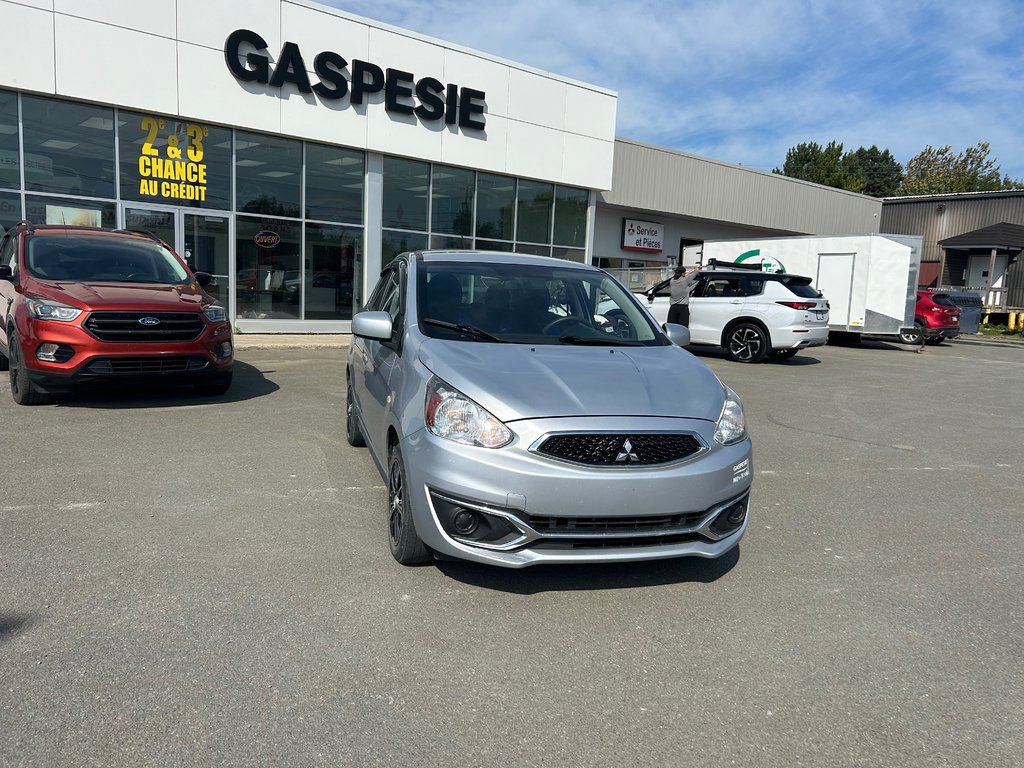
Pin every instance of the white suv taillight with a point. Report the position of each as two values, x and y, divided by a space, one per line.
799 304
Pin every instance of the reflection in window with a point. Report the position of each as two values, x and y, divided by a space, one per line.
10 209
82 213
533 250
494 245
495 206
334 183
151 148
534 216
268 174
10 167
69 148
334 256
570 254
451 242
268 278
405 193
571 216
394 243
451 210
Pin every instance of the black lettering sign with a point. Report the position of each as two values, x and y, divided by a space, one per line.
427 98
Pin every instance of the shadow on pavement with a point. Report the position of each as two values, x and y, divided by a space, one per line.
566 578
248 383
12 624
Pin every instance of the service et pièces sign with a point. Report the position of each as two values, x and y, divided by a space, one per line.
642 236
178 172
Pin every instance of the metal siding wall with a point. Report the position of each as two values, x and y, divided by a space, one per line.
959 215
664 181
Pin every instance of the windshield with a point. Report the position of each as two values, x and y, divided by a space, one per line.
529 304
90 259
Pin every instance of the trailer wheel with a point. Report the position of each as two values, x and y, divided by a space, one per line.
746 343
913 337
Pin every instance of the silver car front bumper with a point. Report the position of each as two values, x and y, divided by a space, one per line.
559 512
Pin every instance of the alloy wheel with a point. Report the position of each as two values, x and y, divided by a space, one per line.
396 511
745 343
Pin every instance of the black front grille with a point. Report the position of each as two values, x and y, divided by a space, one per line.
620 450
128 326
624 525
549 545
149 365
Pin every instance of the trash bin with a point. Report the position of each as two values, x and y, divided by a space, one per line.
970 310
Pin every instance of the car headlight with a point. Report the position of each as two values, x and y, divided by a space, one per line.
215 314
453 416
44 309
732 425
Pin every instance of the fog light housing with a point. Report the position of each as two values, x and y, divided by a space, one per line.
54 353
465 522
476 523
731 518
223 350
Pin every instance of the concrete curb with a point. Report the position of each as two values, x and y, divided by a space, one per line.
988 341
255 341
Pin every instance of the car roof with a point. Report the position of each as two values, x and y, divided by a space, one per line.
66 229
499 257
752 273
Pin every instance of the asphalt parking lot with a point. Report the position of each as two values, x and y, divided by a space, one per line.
189 581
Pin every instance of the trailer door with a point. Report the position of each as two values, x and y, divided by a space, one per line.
835 281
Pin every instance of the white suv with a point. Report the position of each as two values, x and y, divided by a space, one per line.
751 315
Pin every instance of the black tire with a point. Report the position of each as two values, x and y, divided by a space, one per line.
914 337
5 364
23 390
783 354
746 343
353 434
406 546
218 386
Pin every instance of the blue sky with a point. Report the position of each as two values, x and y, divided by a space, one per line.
743 81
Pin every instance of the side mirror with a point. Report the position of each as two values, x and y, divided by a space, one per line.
677 334
203 278
6 273
372 325
650 298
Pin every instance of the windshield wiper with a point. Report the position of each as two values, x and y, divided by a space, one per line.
611 341
466 330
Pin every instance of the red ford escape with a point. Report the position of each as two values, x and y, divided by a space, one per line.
81 305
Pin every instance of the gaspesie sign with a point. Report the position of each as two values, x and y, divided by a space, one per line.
427 97
642 235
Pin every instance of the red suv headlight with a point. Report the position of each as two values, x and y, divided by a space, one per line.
44 309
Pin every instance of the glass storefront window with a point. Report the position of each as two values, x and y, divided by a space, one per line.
268 174
174 162
394 243
58 210
405 193
571 254
334 183
534 212
206 249
10 209
495 206
334 257
69 148
10 162
533 250
451 206
451 242
268 266
571 216
494 245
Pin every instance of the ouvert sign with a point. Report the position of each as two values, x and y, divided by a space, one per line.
427 97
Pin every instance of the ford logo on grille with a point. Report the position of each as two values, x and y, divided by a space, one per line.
149 320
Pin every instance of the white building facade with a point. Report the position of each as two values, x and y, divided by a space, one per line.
288 148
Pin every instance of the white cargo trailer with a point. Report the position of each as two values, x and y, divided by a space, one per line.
870 281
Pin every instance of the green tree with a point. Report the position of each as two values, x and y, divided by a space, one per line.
937 171
879 171
868 171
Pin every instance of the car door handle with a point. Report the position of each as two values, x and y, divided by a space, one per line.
736 301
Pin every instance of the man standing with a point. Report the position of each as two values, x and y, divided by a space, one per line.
680 285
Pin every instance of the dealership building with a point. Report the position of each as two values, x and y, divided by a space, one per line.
292 150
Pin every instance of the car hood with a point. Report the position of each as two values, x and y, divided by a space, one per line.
519 381
139 296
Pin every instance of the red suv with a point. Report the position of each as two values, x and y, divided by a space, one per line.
936 317
81 305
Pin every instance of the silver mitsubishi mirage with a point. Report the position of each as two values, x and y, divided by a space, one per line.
515 424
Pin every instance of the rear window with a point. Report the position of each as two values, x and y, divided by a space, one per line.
90 259
943 300
800 286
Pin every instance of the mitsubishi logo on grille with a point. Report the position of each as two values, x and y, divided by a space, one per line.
149 320
627 453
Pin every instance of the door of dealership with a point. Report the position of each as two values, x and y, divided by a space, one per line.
201 239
